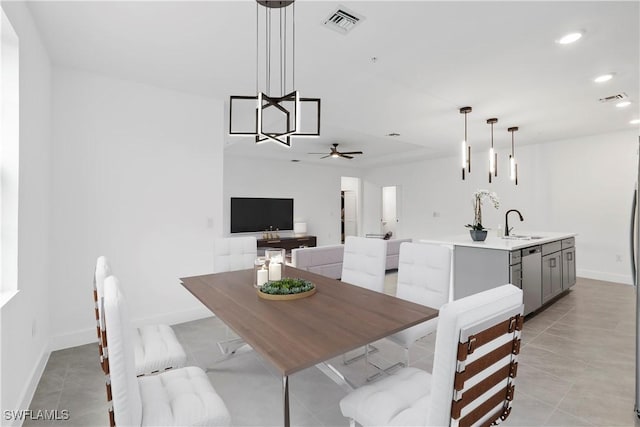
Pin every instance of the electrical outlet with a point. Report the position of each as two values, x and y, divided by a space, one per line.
33 328
618 258
209 222
436 214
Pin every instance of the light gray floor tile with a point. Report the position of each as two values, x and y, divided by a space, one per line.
575 369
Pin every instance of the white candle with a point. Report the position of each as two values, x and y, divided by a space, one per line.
275 271
263 276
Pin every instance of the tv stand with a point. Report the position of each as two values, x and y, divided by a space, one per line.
288 243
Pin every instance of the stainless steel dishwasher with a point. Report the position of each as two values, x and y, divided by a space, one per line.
532 278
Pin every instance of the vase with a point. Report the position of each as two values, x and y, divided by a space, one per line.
478 235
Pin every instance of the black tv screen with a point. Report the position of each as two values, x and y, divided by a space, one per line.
251 214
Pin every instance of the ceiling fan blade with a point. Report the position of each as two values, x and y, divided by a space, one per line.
316 153
345 156
352 152
324 157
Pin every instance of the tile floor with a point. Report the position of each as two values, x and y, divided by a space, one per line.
576 369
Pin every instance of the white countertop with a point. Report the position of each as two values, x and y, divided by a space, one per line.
499 243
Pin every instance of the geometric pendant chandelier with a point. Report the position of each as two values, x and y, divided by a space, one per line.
466 149
277 112
493 156
513 164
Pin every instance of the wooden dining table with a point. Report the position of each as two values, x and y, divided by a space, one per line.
295 335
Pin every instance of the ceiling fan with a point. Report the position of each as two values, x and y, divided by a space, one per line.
335 153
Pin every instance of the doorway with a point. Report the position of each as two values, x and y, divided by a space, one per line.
390 210
349 201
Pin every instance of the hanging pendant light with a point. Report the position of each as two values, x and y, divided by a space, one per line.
466 149
493 156
275 112
513 164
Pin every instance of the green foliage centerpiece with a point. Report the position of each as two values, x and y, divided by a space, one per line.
286 288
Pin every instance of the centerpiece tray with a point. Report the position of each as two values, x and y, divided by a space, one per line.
286 289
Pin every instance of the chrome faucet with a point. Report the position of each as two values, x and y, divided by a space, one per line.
506 220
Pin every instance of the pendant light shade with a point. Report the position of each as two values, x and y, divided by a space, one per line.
465 147
276 112
493 156
513 164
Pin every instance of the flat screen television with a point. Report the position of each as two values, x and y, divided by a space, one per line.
252 214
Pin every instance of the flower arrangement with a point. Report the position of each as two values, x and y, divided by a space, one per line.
476 200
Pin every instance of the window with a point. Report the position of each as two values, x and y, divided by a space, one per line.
9 145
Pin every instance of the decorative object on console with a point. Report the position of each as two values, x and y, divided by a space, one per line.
274 113
478 232
466 149
493 156
300 228
513 164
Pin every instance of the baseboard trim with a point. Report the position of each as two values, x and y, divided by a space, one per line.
30 388
607 277
87 336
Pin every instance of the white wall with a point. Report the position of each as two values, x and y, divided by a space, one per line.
137 176
583 185
314 188
593 181
25 319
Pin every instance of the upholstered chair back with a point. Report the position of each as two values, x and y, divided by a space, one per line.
127 403
102 271
458 319
424 274
234 253
364 262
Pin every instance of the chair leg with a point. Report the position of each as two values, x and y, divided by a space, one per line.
369 349
224 345
389 369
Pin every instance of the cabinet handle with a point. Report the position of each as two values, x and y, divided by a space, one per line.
273 241
570 256
552 263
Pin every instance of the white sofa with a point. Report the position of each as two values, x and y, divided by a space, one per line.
327 260
393 252
324 260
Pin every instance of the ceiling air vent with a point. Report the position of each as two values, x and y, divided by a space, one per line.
343 20
614 98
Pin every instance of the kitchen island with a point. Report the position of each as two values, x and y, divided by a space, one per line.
542 264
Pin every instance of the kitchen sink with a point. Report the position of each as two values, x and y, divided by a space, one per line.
521 237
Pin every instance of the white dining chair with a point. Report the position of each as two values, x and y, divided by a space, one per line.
364 262
424 277
156 347
231 254
474 367
179 397
364 265
234 253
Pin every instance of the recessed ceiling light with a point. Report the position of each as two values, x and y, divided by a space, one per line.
623 104
603 78
635 122
569 38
